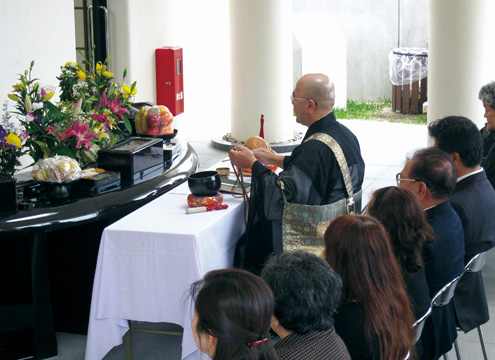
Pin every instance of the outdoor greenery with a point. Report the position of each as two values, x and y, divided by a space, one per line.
379 110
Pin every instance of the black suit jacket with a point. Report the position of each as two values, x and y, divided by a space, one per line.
474 200
443 261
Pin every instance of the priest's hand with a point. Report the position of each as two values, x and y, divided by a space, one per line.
242 157
267 157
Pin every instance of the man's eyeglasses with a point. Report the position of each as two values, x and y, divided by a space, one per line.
398 179
292 98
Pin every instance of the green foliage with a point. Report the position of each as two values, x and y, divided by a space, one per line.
379 110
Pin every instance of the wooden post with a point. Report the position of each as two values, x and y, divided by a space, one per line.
405 98
415 97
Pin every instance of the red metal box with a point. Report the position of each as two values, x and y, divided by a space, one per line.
169 78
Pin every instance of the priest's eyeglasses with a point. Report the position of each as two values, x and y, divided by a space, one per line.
292 98
398 179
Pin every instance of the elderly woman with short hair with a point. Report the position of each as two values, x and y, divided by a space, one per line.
487 96
307 291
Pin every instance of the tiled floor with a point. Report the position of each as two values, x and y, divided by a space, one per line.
384 147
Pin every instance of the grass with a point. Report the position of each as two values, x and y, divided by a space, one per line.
380 110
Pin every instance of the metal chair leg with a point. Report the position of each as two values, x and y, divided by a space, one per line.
457 352
128 342
480 333
128 345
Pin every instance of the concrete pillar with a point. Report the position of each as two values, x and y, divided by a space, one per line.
310 29
261 68
460 57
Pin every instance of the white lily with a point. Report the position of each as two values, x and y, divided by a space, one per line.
28 105
78 106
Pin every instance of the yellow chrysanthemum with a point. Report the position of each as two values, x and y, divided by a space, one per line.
81 75
13 139
107 74
107 112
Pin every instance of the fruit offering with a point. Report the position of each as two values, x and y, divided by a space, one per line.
57 169
195 201
154 120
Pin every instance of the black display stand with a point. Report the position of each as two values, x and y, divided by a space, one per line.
48 257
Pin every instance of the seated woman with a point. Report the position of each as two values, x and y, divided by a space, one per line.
402 215
232 314
487 96
307 292
374 317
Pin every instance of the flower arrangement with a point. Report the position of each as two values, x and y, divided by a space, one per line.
10 145
91 115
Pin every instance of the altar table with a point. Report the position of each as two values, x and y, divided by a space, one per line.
147 262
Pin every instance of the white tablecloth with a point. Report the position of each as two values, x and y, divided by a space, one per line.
147 261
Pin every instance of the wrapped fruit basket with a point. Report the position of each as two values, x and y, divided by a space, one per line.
154 120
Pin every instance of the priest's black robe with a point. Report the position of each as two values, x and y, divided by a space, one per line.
311 176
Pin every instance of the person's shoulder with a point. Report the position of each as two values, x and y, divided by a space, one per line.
473 190
313 146
444 216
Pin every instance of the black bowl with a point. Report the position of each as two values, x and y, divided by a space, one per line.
204 183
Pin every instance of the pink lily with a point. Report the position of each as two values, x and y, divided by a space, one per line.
80 131
117 108
60 134
51 130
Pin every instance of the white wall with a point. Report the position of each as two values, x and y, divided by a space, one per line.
201 28
42 31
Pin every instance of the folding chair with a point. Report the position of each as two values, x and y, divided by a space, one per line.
444 296
474 265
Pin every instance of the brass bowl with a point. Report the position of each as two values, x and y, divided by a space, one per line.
223 171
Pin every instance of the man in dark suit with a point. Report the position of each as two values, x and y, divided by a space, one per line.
431 175
474 200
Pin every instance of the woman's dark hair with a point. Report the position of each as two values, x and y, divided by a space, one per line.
402 215
236 307
359 250
307 291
